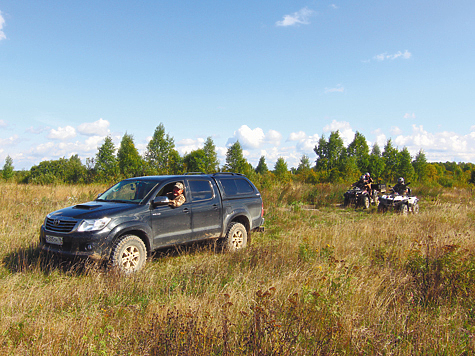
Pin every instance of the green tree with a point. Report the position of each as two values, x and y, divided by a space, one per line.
130 162
195 161
175 163
304 164
159 149
281 170
235 161
329 152
347 170
75 171
376 163
391 161
360 150
420 166
7 172
58 171
405 168
262 166
106 165
211 162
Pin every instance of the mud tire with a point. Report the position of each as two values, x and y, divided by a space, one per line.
366 203
403 209
415 209
128 254
346 202
236 237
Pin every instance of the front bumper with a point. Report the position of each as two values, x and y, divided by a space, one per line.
81 245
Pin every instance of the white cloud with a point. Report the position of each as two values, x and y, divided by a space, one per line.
300 17
38 130
13 140
395 130
409 116
187 145
96 128
42 149
441 146
62 133
338 89
383 56
346 132
250 138
304 143
333 6
255 138
273 137
3 123
2 22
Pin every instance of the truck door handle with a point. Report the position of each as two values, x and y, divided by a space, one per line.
215 206
186 210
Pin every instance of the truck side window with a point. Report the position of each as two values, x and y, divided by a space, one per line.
200 190
243 186
235 186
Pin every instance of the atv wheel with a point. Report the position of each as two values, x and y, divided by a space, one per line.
236 237
403 209
346 202
128 254
366 202
415 208
376 200
382 208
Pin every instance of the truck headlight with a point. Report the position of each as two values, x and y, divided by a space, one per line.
93 224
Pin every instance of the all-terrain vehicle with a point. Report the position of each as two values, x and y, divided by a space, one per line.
361 197
402 203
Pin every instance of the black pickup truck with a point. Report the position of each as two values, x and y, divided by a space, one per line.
133 218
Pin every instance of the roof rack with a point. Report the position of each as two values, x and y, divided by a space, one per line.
228 173
193 173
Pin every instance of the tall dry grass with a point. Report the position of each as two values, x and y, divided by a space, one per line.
318 281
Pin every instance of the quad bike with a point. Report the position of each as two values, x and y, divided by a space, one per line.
402 203
360 197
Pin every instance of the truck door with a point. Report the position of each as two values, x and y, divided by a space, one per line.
171 226
206 209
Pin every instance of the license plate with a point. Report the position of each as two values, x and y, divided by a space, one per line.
55 240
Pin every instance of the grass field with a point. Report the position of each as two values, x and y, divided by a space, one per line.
319 281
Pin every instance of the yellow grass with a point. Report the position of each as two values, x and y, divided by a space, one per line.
318 281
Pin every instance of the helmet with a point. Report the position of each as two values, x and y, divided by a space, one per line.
400 180
363 177
367 175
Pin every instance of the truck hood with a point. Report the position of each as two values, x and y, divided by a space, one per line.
95 210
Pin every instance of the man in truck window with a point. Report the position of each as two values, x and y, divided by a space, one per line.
176 197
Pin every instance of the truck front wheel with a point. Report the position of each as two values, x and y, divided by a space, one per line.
236 237
128 254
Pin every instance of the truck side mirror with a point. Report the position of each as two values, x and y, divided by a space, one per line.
160 200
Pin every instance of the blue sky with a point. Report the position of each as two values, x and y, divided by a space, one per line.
275 75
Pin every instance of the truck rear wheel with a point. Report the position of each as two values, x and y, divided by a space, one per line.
236 237
128 254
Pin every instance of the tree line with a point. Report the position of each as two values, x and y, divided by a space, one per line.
334 163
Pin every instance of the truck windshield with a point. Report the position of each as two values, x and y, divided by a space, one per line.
128 191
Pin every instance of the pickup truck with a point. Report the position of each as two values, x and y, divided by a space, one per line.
130 220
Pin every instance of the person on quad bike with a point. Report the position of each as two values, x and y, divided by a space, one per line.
369 181
360 183
400 188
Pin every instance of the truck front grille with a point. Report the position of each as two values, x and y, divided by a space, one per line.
58 225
